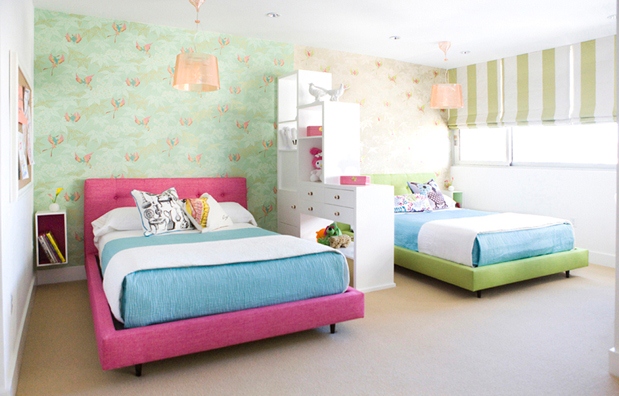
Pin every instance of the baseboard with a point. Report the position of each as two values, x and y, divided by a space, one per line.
21 336
613 362
60 275
603 259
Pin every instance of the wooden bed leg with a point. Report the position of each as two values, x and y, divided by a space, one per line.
138 370
567 273
478 293
332 326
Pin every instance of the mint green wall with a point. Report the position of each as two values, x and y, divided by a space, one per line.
104 107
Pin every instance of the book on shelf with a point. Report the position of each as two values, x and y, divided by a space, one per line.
54 244
47 248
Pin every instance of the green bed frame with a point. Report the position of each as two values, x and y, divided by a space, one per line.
477 279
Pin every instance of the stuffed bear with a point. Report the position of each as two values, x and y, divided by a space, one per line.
337 241
316 173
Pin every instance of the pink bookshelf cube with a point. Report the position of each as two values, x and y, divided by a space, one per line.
314 131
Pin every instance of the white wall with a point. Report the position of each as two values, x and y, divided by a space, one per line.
587 197
16 239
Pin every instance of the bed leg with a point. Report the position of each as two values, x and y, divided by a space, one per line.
567 274
478 293
332 326
138 370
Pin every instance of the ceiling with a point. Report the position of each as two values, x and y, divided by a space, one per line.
486 29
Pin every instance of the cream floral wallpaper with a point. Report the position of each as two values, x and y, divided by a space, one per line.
104 107
399 131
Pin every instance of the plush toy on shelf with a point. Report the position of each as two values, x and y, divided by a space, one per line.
316 173
332 236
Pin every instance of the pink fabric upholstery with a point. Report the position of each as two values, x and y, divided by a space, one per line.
121 348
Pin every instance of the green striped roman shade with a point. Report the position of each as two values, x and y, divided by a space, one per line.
569 84
594 81
481 91
537 87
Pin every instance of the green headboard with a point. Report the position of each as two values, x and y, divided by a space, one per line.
398 180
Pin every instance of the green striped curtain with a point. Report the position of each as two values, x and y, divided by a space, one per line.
537 87
595 98
569 84
481 91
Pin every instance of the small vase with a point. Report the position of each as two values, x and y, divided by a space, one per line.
451 188
54 207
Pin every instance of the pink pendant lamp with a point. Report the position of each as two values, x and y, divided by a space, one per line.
193 71
446 96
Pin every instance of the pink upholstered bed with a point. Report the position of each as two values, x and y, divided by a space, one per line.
135 346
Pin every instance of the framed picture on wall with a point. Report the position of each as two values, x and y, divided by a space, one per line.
21 140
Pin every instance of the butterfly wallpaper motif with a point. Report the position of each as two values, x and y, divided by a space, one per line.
104 106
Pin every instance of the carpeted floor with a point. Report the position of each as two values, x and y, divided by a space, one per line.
548 336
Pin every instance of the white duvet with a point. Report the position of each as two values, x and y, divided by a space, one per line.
195 254
453 239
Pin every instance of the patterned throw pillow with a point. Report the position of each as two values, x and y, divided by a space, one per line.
411 203
431 190
216 216
161 213
197 209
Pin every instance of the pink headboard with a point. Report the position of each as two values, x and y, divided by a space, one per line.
103 195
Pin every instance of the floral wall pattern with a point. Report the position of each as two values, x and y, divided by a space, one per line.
104 107
400 133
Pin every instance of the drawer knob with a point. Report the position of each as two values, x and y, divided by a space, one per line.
336 213
337 197
293 206
310 208
310 193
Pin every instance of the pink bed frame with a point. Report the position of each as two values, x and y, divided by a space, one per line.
135 346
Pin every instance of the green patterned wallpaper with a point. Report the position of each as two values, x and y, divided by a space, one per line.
104 107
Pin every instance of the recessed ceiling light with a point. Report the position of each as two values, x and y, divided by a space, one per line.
394 38
273 15
465 52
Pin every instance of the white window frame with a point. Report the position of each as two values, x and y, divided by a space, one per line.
511 162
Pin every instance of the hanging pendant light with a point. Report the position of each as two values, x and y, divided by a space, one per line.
193 71
446 96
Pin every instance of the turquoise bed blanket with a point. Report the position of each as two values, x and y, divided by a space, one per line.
489 248
168 294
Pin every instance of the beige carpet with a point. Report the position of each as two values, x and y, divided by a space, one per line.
543 337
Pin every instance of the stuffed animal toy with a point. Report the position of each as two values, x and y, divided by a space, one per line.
323 236
316 173
337 241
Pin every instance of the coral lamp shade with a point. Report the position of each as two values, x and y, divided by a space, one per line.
196 72
446 96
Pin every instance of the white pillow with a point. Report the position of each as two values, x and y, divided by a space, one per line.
451 204
117 219
238 213
217 217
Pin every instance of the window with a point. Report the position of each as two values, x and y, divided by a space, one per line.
483 146
565 145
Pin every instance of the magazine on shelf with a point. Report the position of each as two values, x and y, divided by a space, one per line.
54 244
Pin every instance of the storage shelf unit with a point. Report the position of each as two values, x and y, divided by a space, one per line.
56 223
305 207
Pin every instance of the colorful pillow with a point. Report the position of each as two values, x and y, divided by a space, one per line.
411 203
161 213
197 209
217 216
431 190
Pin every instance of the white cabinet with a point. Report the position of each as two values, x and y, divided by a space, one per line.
304 207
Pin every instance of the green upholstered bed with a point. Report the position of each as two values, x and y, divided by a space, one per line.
477 279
